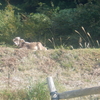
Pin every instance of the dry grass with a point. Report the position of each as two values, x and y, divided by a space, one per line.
86 41
73 69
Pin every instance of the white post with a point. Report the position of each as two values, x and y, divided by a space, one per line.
52 89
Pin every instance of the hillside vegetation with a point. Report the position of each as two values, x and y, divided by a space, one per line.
70 69
49 21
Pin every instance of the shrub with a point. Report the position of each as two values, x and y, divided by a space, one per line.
66 21
7 24
33 28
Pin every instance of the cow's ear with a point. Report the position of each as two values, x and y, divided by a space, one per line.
22 40
18 38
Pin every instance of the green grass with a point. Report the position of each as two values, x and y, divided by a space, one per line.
36 91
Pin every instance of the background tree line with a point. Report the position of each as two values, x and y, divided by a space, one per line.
51 22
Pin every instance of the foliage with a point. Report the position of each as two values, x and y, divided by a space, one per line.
67 20
50 22
31 27
42 23
48 10
7 24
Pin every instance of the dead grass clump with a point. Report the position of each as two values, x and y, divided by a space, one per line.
20 53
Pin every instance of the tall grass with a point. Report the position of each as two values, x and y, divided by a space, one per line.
86 40
59 43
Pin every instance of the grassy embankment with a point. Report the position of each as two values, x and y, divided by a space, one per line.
23 72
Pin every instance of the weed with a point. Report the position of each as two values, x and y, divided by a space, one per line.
37 92
60 44
52 41
85 40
